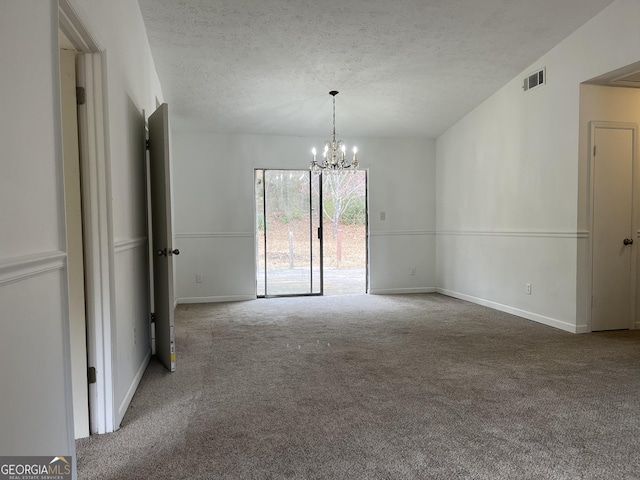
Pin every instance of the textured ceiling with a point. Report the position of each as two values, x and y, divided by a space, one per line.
403 67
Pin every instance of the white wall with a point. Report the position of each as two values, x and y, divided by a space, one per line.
600 104
35 404
214 209
132 86
507 180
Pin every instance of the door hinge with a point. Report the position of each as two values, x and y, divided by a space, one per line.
153 318
91 375
146 145
81 96
319 233
594 150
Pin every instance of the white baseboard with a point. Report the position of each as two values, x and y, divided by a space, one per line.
216 299
551 322
397 291
122 409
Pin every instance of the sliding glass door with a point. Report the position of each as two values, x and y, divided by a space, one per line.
288 229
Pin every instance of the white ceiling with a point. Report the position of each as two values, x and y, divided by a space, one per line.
403 67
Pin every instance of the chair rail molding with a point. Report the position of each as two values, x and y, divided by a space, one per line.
400 233
214 235
120 246
20 268
514 233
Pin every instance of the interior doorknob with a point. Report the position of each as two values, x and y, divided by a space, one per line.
628 241
174 252
162 253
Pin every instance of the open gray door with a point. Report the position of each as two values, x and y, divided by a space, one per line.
162 235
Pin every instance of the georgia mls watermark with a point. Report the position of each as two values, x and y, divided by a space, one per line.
35 468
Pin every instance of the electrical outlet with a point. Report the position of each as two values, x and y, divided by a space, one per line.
198 278
528 289
383 216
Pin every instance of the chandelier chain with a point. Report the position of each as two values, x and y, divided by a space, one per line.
334 118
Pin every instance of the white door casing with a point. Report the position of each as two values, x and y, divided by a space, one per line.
98 242
96 215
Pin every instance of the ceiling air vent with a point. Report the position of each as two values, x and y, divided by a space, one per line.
535 80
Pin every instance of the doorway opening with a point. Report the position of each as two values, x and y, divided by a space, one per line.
311 233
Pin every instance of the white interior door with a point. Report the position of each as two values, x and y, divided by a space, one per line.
162 235
75 257
612 228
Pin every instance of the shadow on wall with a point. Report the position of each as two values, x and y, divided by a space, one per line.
137 180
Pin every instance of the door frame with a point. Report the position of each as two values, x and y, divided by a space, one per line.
321 223
593 125
97 216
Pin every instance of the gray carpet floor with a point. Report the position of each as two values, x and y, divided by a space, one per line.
378 387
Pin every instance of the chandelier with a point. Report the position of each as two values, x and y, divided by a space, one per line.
334 156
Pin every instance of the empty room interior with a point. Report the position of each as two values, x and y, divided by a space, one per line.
190 287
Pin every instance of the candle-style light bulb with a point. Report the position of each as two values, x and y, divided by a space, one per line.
314 164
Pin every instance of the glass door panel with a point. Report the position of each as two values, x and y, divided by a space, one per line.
287 251
344 198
